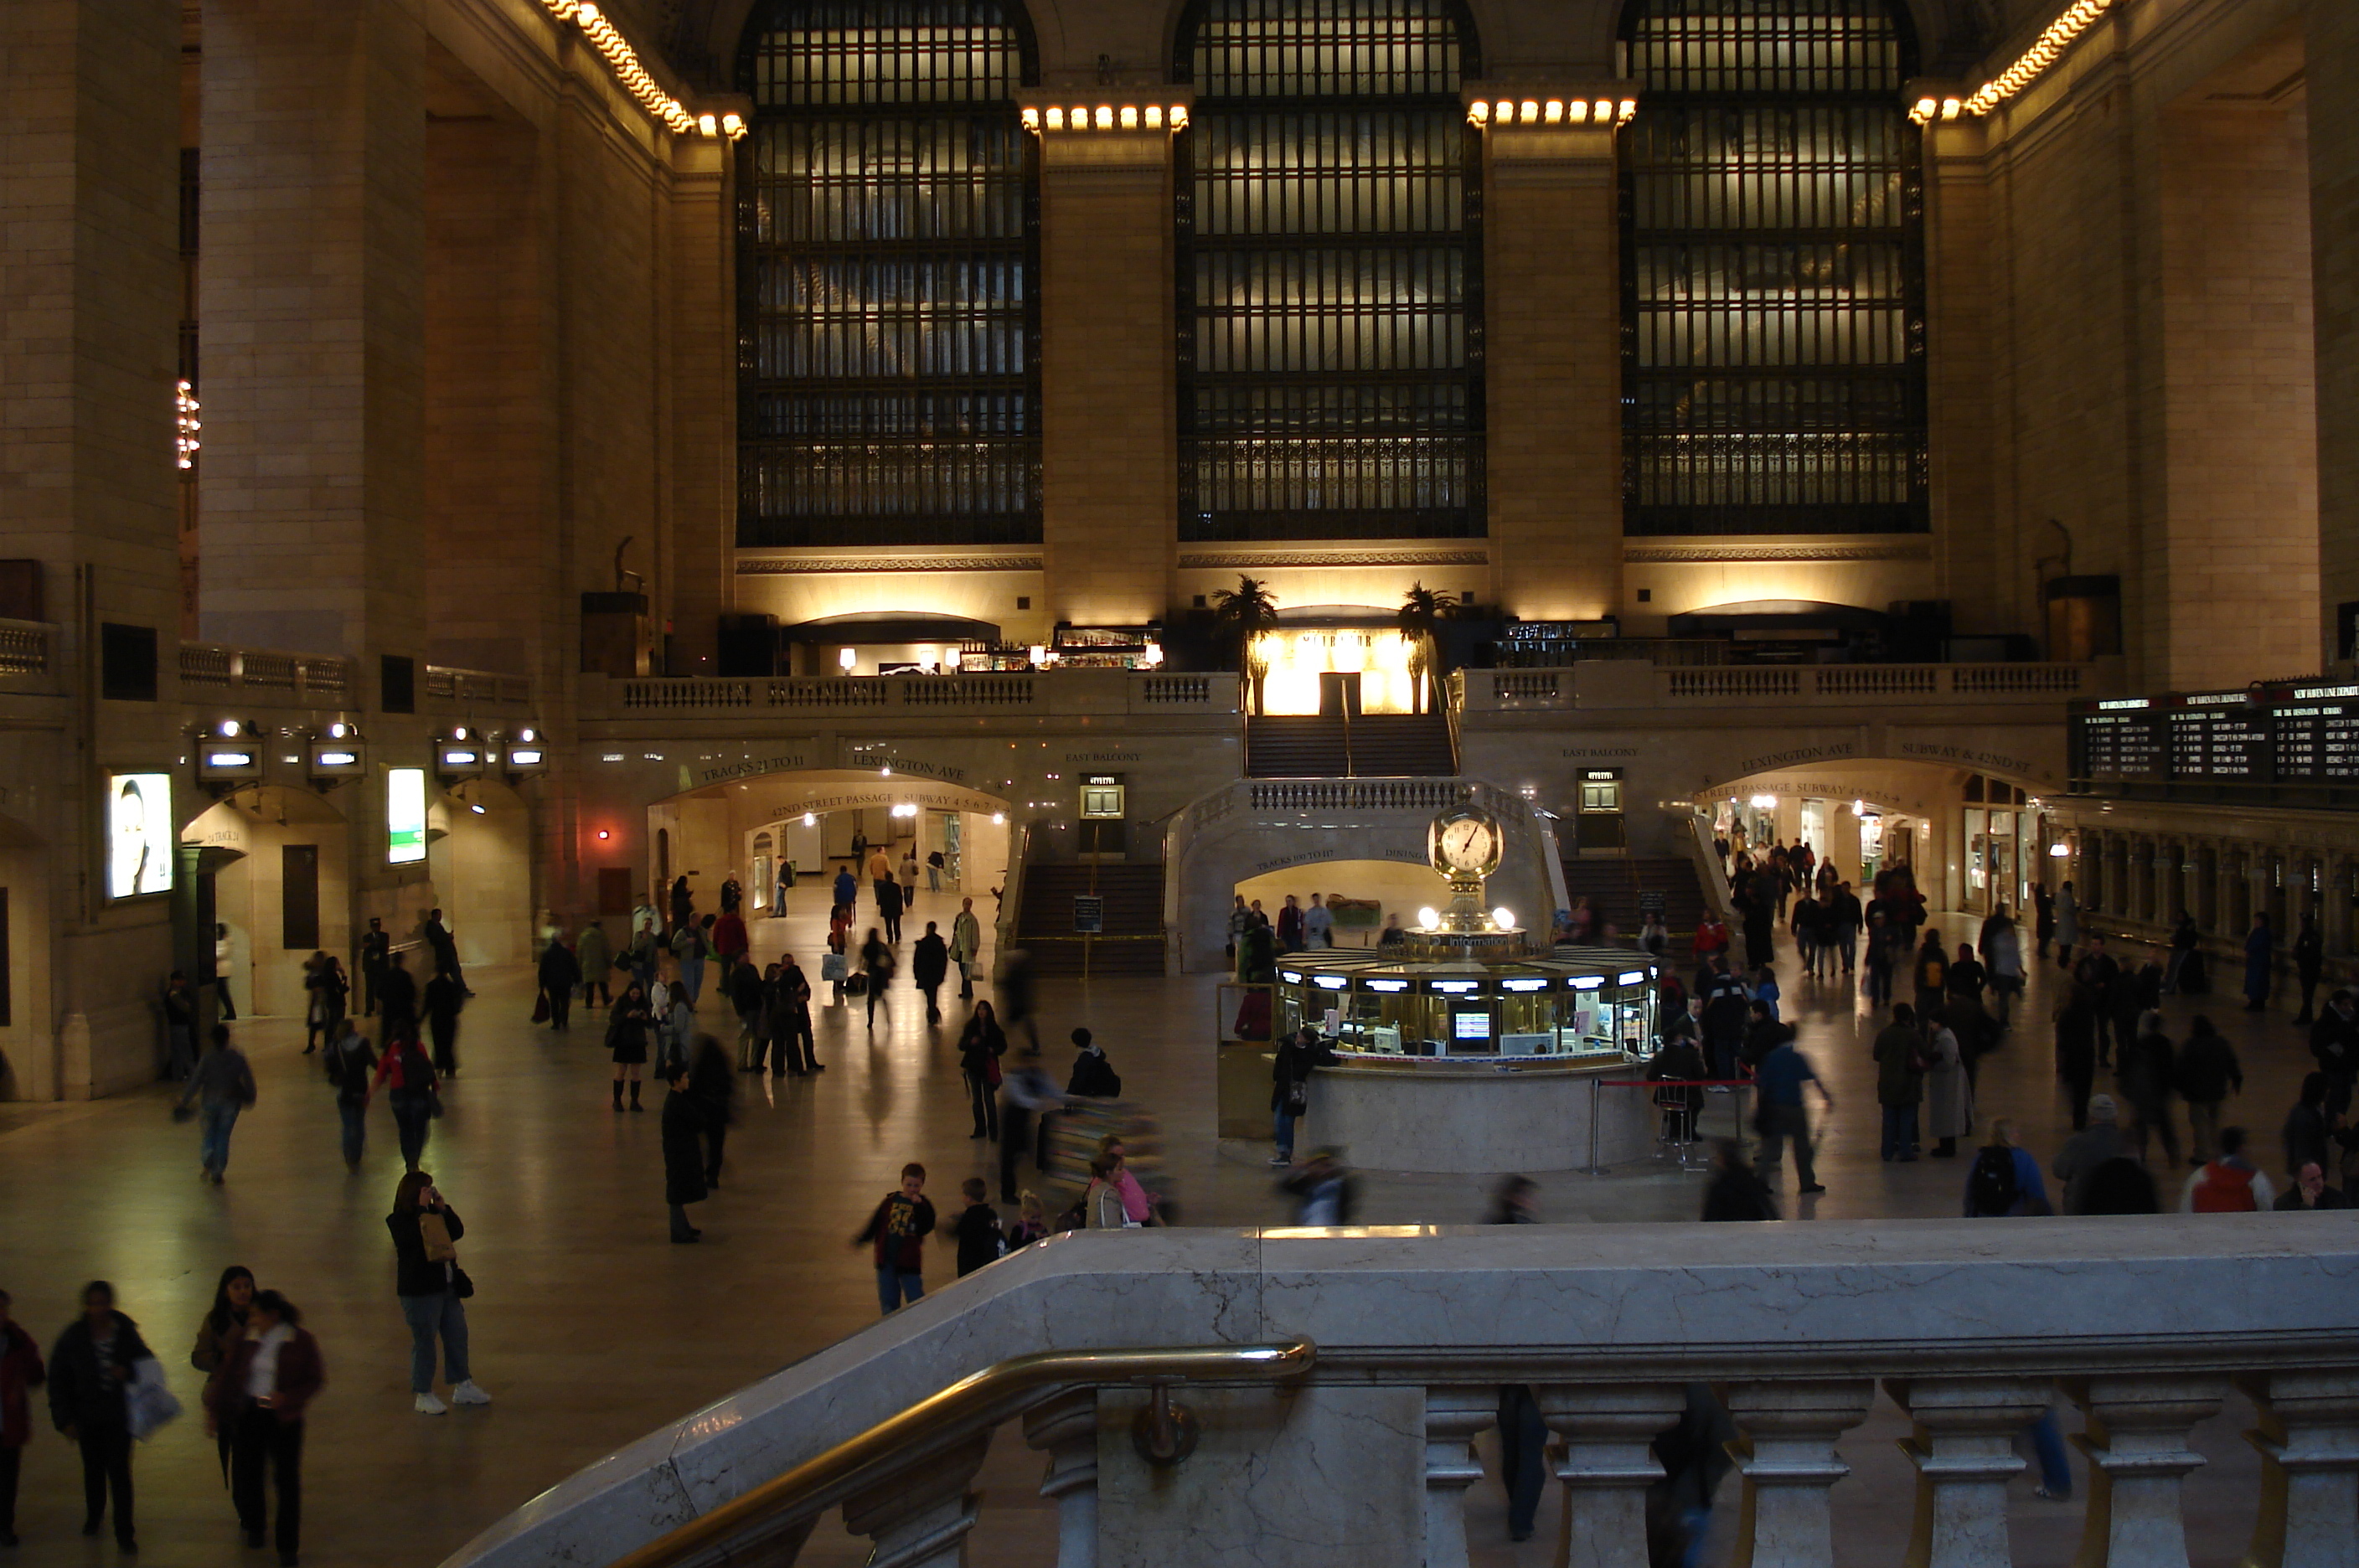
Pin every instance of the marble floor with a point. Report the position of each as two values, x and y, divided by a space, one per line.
588 1328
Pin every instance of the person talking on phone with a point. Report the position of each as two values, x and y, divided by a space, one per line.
433 1291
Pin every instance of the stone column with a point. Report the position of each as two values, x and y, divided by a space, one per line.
1963 1449
1552 347
1109 459
1066 1428
2308 1439
1608 1465
1453 1417
2136 1444
919 1518
1787 1455
704 399
2331 68
312 299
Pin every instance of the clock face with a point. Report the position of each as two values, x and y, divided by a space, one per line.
1466 843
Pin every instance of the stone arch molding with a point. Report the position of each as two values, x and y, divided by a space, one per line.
1257 825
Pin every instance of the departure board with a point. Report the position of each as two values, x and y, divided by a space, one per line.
2318 743
2125 745
2236 744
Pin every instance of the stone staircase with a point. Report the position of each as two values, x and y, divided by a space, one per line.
1364 746
1614 884
1131 941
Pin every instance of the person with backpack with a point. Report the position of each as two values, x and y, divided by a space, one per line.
1932 975
2206 1072
351 1066
2228 1184
1900 1082
2004 1181
1093 1076
408 1079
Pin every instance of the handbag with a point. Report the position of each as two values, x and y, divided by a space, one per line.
540 1009
991 1070
1297 1098
148 1401
832 967
461 1285
436 1237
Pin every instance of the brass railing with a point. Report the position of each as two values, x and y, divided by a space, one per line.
986 1398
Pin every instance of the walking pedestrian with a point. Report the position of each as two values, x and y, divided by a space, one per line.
2078 1162
2184 940
929 965
181 1026
908 878
377 954
2065 919
1784 1115
626 1040
595 959
1030 1096
685 1120
2148 1070
715 1088
2076 1051
2206 1073
89 1374
223 1085
445 949
1948 1092
1317 924
560 972
225 960
891 905
981 1237
896 1232
1015 1005
966 947
411 1089
2309 964
880 878
433 1291
2228 1183
273 1372
323 1005
442 1001
2334 1043
2043 921
981 1045
2260 958
792 1029
730 943
399 996
935 865
878 965
1932 975
689 948
749 995
1900 1082
218 1333
21 1370
2002 950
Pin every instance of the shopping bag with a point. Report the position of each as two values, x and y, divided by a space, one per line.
148 1401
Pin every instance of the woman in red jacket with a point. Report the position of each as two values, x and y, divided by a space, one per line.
260 1394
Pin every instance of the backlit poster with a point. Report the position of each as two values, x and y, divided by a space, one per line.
405 815
139 835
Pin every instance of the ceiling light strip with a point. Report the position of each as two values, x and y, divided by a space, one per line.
2052 43
624 62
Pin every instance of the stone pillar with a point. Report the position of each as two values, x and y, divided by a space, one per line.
703 398
1963 1449
2331 70
1608 1465
1552 353
1109 458
1787 1455
1067 1429
2308 1439
2136 1444
919 1518
1453 1417
312 298
90 136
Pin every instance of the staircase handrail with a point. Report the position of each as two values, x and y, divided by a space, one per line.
981 1400
1710 874
1011 894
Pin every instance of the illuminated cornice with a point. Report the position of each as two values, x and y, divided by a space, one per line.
2029 67
624 62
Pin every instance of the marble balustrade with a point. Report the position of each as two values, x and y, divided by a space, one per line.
1973 1327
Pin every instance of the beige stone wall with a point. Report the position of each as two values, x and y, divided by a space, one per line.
2332 68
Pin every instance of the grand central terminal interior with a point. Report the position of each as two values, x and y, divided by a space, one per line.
1475 487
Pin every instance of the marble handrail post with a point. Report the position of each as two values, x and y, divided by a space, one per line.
2138 1455
2308 1439
1787 1454
1452 1416
1963 1448
1609 1463
920 1517
1066 1429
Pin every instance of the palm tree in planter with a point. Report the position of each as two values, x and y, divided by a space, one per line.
1422 609
1241 614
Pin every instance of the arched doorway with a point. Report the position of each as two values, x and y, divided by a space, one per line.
28 1055
277 861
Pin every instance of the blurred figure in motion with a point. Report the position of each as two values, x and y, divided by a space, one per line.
1515 1200
1324 1192
1736 1193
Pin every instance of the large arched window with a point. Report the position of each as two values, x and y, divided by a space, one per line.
889 389
1773 273
1330 272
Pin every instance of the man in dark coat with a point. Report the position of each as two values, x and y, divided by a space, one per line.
560 972
398 992
793 1051
445 949
376 955
715 1086
684 1119
444 996
90 1366
929 965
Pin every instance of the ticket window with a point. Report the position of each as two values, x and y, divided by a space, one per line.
1103 800
1598 823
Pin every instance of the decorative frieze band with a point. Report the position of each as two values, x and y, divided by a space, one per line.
1247 559
1654 555
761 566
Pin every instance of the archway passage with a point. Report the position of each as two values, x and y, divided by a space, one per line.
479 847
278 864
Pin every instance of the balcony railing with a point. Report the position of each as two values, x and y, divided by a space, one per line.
24 648
1393 1345
301 677
1047 691
1617 683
